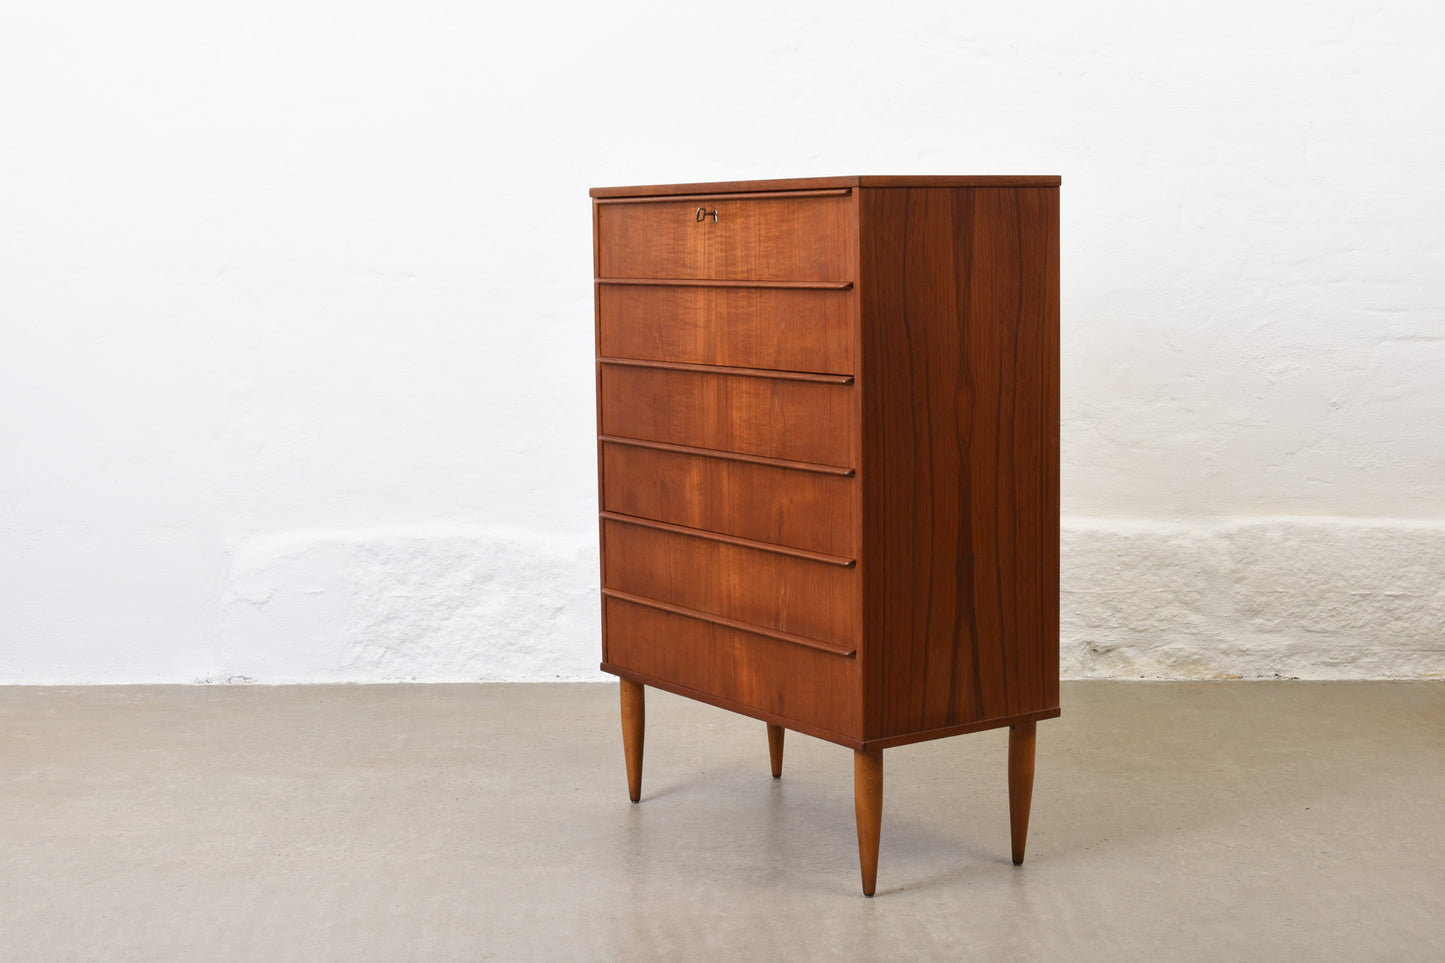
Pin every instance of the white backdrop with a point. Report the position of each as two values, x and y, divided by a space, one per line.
295 377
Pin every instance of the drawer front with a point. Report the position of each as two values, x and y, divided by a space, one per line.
775 418
802 509
813 688
787 329
798 596
771 238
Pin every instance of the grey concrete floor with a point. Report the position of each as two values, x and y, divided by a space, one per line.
1197 821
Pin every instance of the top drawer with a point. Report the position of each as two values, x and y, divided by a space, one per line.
801 236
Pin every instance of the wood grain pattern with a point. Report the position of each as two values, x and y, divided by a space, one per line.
742 327
805 510
779 239
807 689
793 595
960 452
776 419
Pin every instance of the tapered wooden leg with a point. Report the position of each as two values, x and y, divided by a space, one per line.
775 748
868 808
634 718
1020 784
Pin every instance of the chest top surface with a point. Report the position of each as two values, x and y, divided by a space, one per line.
826 183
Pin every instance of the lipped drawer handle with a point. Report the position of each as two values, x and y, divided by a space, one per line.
703 215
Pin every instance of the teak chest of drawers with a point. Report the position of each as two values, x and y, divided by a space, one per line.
828 436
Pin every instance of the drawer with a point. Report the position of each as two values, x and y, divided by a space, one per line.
803 509
773 417
798 596
813 688
770 237
787 329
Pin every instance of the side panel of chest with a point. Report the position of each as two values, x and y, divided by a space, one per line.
959 373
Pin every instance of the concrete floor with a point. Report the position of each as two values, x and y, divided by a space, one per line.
1199 821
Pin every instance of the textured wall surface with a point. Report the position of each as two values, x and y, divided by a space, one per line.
1316 598
413 605
295 313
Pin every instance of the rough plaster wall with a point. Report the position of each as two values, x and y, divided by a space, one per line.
1316 598
295 319
409 605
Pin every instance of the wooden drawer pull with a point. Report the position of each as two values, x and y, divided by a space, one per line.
714 198
714 283
830 647
736 372
752 543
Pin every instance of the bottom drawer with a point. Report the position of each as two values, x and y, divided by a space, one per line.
813 688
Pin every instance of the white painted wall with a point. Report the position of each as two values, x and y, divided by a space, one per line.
295 312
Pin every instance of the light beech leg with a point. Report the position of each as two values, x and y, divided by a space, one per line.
1020 784
868 809
775 748
634 718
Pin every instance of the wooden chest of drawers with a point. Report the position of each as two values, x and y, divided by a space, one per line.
828 430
